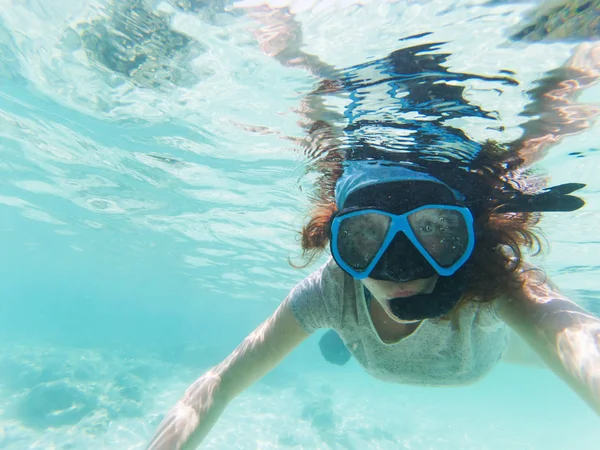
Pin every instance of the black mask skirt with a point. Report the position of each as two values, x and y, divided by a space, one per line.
440 302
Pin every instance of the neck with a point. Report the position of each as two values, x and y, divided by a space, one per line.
388 329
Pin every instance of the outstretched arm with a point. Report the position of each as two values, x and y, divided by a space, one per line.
192 417
566 336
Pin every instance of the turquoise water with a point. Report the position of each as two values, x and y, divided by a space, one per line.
147 211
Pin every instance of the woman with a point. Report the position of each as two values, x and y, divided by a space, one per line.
403 291
426 276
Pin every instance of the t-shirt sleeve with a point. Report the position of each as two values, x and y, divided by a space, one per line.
314 300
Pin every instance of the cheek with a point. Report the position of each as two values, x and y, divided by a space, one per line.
372 286
367 285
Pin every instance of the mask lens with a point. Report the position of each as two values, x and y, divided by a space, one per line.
442 232
360 237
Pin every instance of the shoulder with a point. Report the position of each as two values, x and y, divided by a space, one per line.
317 299
327 281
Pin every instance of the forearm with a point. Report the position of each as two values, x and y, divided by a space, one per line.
578 351
190 420
563 334
572 353
192 417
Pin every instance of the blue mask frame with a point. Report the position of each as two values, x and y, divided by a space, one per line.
399 223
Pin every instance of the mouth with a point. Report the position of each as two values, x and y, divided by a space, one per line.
415 287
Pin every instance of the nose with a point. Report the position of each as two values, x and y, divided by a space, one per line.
402 274
402 262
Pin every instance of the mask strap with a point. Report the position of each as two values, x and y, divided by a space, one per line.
556 198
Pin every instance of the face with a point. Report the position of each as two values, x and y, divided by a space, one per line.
384 291
402 271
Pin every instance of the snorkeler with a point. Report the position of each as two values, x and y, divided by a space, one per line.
424 283
426 276
400 291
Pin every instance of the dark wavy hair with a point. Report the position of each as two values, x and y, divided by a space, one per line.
491 179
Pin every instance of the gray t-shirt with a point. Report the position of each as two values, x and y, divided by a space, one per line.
439 352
